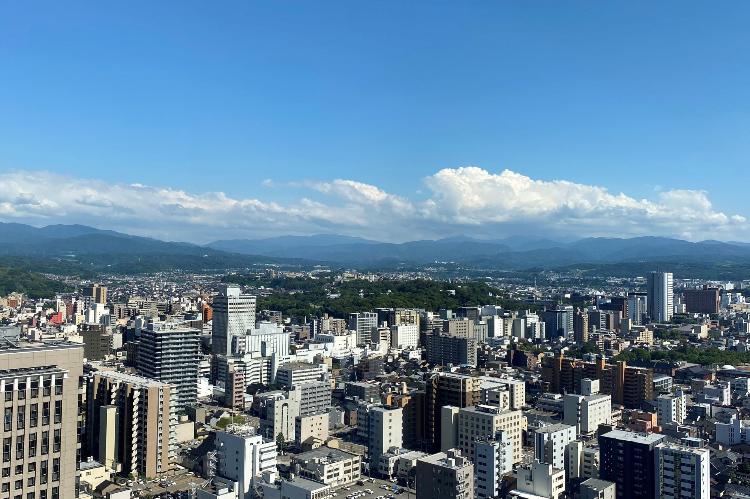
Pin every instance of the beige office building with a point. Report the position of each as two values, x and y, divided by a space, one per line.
40 386
483 421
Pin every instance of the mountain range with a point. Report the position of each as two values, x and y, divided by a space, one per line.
116 251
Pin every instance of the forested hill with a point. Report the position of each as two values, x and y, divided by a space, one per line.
29 283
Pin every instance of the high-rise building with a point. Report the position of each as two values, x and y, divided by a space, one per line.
445 475
130 423
233 316
296 373
386 430
443 389
628 460
637 307
557 322
97 293
493 458
702 301
40 383
660 296
443 349
581 326
550 442
405 336
587 412
242 456
672 408
484 421
170 352
683 470
97 341
265 339
363 323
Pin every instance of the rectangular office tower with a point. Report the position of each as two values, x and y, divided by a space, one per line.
628 459
660 291
683 470
169 352
40 385
233 316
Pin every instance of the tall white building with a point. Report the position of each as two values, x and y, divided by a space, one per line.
493 458
386 431
660 301
671 409
241 456
266 339
587 412
550 443
683 470
233 316
405 336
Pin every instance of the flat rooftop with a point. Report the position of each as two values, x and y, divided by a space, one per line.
632 436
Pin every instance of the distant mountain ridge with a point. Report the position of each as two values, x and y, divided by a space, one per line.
511 252
106 248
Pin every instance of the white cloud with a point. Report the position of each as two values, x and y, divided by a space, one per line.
467 200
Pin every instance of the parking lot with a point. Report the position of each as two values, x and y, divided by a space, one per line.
374 488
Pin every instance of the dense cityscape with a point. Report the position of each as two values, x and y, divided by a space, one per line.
188 385
337 249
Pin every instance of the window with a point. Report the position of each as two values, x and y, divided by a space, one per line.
8 419
55 470
6 450
56 441
21 390
19 469
18 484
6 487
8 393
43 472
58 386
58 411
45 443
32 445
45 413
19 448
47 387
21 417
35 388
34 416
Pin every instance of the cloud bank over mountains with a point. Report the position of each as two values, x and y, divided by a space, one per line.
466 200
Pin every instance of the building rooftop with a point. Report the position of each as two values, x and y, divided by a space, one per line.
552 428
596 484
305 484
132 379
325 453
632 436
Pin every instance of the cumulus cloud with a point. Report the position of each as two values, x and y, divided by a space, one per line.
468 200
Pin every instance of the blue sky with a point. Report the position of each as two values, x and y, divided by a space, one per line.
203 97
